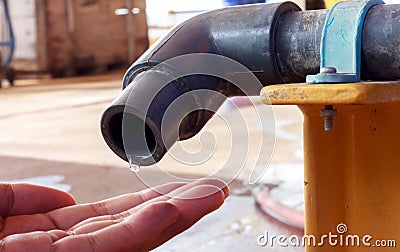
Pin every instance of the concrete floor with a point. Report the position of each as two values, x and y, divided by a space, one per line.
49 134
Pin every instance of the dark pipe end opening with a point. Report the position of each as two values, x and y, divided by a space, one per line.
129 136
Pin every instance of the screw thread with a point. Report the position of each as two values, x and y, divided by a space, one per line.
328 123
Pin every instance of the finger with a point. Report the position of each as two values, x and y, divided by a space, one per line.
217 184
191 209
34 242
58 234
136 233
66 217
79 213
94 226
26 223
19 199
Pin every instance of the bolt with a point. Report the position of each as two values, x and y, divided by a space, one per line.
328 70
328 114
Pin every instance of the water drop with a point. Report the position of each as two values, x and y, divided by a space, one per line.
134 167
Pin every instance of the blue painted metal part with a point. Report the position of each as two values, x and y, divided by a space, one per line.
341 42
241 2
10 43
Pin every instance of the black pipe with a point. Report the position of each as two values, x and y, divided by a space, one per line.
277 42
299 35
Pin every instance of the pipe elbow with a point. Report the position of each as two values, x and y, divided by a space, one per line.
133 126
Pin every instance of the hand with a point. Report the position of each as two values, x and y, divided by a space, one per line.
35 218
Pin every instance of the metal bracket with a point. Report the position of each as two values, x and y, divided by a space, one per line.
341 42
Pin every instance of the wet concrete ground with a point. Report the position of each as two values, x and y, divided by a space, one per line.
49 134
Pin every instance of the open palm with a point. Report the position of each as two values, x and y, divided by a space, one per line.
35 218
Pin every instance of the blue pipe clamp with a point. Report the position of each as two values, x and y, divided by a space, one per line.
10 44
341 42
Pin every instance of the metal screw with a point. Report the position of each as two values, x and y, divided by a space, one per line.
328 114
328 70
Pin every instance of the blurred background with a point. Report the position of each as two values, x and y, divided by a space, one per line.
66 38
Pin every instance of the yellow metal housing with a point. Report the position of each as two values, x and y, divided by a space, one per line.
352 174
